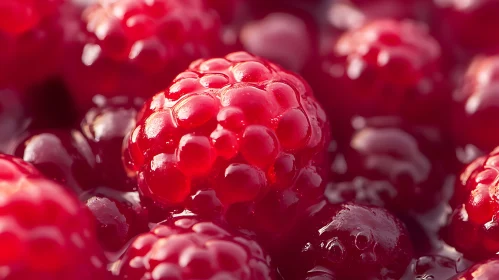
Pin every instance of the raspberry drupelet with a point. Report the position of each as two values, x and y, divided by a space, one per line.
188 248
476 103
472 227
237 133
45 232
137 47
350 240
386 67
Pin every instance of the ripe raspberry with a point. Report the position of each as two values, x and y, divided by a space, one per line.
120 216
17 16
61 155
390 164
472 228
387 67
284 38
344 237
186 248
239 129
486 270
475 104
136 47
45 232
466 24
104 127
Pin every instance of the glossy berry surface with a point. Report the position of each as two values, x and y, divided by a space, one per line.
475 209
486 270
105 126
390 164
186 248
45 232
476 103
386 67
344 236
465 24
120 216
136 48
239 126
61 155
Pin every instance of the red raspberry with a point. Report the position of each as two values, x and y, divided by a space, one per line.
472 228
120 216
186 248
239 126
431 267
387 67
63 156
466 24
390 164
486 270
17 16
105 126
475 104
135 47
45 232
348 236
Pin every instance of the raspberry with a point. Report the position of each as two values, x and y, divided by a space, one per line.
475 104
61 155
466 24
186 248
17 16
240 127
45 232
387 67
283 38
348 236
391 164
486 270
431 267
472 226
135 48
105 126
119 215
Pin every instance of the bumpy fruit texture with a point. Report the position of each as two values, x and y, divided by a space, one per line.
137 47
346 237
476 104
239 126
386 67
467 24
186 248
390 164
472 228
486 270
45 232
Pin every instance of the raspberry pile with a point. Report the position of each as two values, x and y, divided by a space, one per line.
249 139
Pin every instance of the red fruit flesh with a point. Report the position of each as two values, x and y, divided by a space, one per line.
45 232
135 48
186 248
240 126
17 16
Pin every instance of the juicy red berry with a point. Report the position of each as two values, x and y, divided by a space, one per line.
346 237
486 270
137 47
387 67
475 104
14 117
466 24
472 226
63 156
186 248
120 216
392 165
431 267
240 126
45 232
282 38
17 16
105 126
